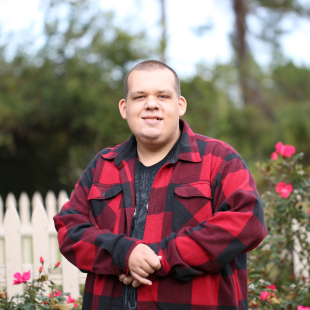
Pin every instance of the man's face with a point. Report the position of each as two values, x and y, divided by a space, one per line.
152 108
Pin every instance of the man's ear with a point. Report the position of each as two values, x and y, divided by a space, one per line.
182 106
122 108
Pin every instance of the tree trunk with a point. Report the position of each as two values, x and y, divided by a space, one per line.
241 47
163 41
249 85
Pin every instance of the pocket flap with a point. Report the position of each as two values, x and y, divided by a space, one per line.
195 189
100 191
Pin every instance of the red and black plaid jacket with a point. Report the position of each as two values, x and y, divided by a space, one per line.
204 214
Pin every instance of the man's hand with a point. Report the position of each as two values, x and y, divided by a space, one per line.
142 262
129 279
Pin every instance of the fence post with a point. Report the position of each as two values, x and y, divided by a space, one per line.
2 233
10 200
70 273
51 203
13 253
301 267
62 199
40 236
26 230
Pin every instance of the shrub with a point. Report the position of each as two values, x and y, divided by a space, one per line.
34 295
275 282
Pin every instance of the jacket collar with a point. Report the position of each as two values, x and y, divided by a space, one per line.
187 148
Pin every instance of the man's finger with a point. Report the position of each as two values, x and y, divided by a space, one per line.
141 280
143 271
154 262
143 261
136 283
128 279
121 277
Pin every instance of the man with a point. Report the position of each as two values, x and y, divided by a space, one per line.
164 220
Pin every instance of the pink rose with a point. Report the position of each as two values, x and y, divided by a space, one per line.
272 287
41 260
288 150
303 308
58 293
41 269
57 264
264 295
285 150
274 156
21 278
69 300
284 189
279 146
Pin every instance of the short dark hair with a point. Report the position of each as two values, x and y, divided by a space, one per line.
149 65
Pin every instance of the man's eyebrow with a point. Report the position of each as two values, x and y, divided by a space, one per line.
137 92
164 91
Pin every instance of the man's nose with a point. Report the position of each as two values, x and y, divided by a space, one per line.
151 103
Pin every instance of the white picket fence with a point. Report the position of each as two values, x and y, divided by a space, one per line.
25 237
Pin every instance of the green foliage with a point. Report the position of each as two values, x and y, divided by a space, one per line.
277 5
60 106
292 82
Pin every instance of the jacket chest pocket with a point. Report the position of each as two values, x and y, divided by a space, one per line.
192 205
105 202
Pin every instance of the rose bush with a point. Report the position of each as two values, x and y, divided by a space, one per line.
274 282
34 295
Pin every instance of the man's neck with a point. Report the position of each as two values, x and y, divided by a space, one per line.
151 155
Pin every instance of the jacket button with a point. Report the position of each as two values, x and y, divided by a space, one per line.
102 194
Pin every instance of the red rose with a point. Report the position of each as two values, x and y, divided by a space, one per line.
264 295
285 150
284 189
21 278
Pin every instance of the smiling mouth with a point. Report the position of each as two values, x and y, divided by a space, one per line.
152 119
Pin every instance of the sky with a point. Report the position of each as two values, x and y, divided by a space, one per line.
183 17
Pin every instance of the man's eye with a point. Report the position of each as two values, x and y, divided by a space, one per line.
163 96
139 97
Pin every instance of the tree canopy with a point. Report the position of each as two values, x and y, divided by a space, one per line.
59 104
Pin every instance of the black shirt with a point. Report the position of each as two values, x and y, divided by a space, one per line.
144 178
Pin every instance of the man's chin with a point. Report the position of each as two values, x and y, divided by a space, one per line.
150 137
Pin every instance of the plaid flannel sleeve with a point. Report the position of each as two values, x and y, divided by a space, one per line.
82 242
237 226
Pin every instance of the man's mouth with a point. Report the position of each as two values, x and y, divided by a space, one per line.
152 120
